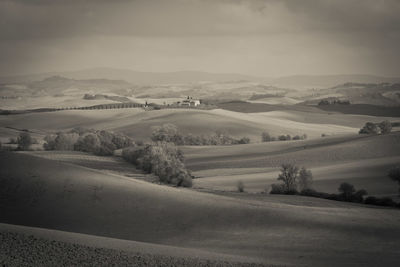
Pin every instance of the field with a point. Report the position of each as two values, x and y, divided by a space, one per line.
360 160
138 123
274 230
102 209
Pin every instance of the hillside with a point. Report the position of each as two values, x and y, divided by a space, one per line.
361 160
54 195
138 123
327 81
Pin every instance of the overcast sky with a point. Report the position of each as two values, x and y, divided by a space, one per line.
266 37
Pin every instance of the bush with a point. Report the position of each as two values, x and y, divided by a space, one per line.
359 196
277 189
65 141
265 137
240 186
394 174
385 127
24 141
385 201
369 128
305 179
12 140
165 133
88 143
87 140
162 159
347 191
244 140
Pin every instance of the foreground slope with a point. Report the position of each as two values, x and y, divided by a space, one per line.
51 194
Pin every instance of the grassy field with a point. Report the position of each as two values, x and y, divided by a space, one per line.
64 196
361 160
138 123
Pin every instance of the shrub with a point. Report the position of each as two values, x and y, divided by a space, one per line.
65 141
282 138
244 140
266 137
385 127
296 137
347 191
359 196
87 140
12 140
369 128
24 141
88 143
305 179
240 186
164 133
277 189
385 201
162 159
394 174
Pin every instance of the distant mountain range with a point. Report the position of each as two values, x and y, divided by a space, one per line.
135 77
179 77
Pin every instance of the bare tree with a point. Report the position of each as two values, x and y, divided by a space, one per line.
288 176
305 179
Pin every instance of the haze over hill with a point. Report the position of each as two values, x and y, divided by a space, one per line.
142 77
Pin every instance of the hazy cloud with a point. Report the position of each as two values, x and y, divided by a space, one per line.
259 34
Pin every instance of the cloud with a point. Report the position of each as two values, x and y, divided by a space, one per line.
47 19
253 36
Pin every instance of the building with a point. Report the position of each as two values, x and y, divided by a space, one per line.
189 102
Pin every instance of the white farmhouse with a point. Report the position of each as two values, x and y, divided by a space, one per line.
189 102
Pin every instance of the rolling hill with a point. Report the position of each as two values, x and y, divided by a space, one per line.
361 160
55 195
138 123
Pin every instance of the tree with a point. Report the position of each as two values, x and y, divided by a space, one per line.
164 133
265 137
305 179
65 141
347 190
359 195
24 141
394 174
369 128
288 176
385 126
240 186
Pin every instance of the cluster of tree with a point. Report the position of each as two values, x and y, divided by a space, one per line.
293 180
299 181
87 140
169 133
266 137
23 141
333 102
163 159
383 127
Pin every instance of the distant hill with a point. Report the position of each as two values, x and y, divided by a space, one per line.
135 77
327 81
381 94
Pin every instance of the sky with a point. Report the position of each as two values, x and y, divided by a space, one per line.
268 38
